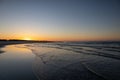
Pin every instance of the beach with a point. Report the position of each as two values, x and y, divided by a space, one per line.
61 61
16 63
60 40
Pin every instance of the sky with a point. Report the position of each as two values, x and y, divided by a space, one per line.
60 20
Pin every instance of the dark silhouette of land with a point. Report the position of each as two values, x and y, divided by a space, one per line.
15 41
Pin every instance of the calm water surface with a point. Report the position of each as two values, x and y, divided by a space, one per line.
16 63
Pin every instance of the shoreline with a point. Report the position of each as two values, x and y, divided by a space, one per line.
4 43
13 58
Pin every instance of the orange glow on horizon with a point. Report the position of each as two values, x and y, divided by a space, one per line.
27 38
59 38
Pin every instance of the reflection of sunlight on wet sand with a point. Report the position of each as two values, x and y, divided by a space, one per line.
17 51
16 63
18 48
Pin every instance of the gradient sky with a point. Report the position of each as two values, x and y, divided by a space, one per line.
60 19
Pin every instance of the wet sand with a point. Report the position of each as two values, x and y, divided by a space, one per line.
16 63
4 43
76 62
61 61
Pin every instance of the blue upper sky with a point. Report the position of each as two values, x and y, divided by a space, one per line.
61 19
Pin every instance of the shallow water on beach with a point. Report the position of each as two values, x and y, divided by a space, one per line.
16 63
61 61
